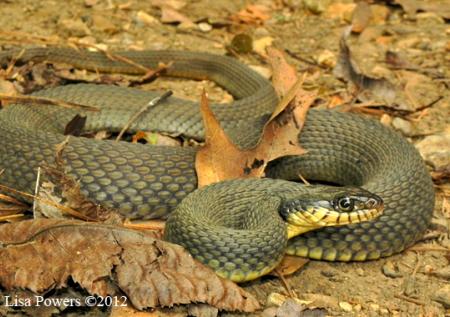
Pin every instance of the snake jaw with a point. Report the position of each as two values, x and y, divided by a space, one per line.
306 215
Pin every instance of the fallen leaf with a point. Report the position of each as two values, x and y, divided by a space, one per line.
381 89
252 14
42 255
289 265
170 16
175 4
220 159
76 125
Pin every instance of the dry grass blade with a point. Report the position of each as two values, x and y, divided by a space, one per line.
45 101
152 103
64 209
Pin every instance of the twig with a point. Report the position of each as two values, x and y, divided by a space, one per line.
409 299
46 101
65 209
304 180
152 103
286 285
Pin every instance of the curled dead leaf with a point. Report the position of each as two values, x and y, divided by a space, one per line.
41 255
220 159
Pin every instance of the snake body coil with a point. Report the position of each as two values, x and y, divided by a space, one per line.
149 182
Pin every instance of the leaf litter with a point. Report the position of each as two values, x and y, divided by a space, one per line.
313 279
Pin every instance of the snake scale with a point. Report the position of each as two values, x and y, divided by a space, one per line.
149 182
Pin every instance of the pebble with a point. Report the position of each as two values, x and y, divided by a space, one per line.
402 125
374 307
360 271
390 270
290 308
204 27
72 27
316 6
103 24
326 58
146 18
345 306
435 149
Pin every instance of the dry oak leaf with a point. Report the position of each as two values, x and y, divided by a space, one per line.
220 159
41 255
252 14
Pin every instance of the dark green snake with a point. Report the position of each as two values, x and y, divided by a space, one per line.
149 182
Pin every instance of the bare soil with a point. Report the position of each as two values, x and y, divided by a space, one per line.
402 285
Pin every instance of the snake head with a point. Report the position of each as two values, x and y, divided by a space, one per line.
332 206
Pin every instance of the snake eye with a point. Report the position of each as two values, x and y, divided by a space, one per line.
345 204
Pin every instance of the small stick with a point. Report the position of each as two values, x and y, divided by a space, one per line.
65 209
286 284
304 180
152 103
409 299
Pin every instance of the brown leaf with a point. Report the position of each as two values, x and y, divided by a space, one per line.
252 14
75 126
41 255
220 159
345 68
290 264
170 15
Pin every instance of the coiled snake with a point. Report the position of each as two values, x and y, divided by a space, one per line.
149 182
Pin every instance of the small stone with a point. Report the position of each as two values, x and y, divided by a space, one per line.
390 270
316 6
360 271
402 125
374 307
435 149
72 27
386 120
146 18
290 308
90 3
204 27
357 308
345 306
326 58
442 296
103 24
384 311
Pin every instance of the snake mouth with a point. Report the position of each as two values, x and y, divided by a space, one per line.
315 218
352 207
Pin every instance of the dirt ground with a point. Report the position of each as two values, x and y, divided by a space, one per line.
414 283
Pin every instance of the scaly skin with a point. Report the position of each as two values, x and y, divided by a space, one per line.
149 182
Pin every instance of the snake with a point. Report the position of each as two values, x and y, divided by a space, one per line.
238 227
